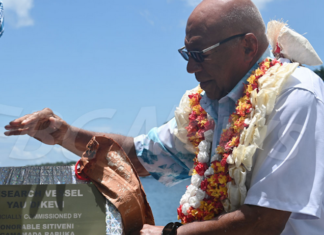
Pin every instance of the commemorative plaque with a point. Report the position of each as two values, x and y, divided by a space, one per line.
50 200
51 210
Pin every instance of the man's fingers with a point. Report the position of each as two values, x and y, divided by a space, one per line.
24 120
20 125
17 132
29 118
9 127
18 121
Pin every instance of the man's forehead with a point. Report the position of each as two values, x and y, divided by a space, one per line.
202 30
194 42
200 37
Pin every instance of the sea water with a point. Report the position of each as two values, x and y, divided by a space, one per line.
163 200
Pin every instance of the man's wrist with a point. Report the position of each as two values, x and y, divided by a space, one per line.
171 228
65 133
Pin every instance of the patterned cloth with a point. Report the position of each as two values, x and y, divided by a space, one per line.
1 19
57 175
164 156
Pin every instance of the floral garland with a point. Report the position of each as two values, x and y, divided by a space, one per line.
221 187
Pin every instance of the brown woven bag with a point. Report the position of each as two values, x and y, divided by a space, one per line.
111 171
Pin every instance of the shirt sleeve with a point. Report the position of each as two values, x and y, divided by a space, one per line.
163 155
288 173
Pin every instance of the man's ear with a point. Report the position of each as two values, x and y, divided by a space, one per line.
250 45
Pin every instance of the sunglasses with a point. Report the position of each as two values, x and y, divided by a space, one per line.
198 56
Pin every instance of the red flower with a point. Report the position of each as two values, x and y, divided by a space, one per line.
192 116
202 110
179 210
209 125
201 117
192 127
209 201
223 197
277 50
254 86
218 205
223 161
201 134
226 136
196 97
200 214
190 217
201 168
274 62
228 147
203 185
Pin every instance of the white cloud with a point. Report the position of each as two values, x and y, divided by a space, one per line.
18 153
28 148
259 3
147 15
21 12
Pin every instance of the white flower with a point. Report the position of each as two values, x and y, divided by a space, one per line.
209 135
242 137
200 195
203 157
204 146
185 198
216 157
247 121
209 171
185 208
192 190
229 159
194 202
181 117
196 180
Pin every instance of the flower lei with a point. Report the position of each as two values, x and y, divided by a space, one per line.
215 189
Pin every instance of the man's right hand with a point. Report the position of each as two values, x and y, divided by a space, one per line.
43 125
50 129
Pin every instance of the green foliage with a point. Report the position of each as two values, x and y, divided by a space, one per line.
320 72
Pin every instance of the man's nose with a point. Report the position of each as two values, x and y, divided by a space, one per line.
193 66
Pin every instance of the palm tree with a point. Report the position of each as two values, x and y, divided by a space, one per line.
320 72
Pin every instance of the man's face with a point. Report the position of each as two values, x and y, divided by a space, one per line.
217 73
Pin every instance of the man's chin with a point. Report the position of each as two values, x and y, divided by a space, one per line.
212 95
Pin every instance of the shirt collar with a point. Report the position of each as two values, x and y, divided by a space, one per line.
236 92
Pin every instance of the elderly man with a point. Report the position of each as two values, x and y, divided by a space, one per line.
285 192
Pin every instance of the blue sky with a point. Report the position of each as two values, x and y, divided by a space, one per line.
109 66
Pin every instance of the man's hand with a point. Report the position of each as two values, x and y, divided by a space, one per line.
50 129
43 125
151 230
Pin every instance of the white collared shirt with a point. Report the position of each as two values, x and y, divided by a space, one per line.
288 173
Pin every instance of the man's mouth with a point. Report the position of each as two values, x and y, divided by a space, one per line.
204 85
